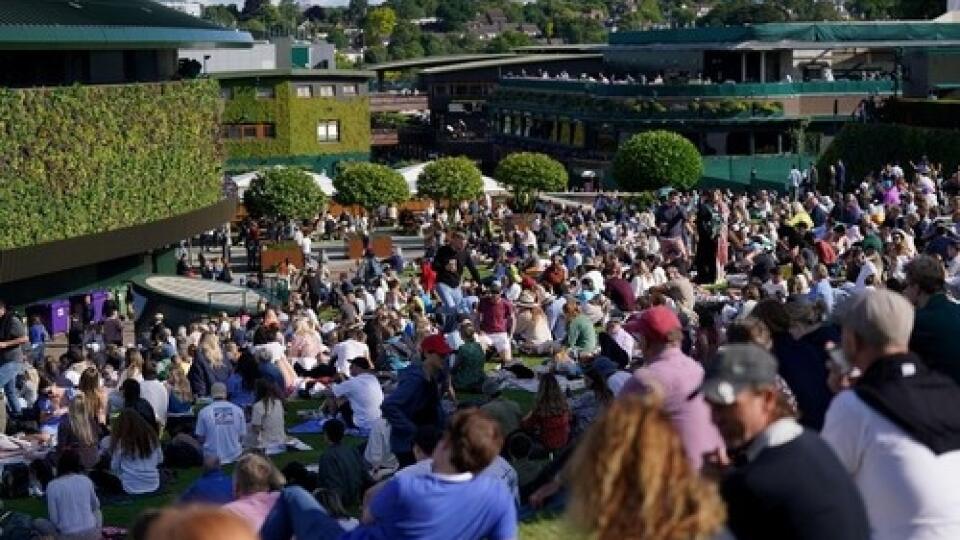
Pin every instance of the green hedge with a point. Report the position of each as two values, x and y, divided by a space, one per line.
865 148
87 159
295 121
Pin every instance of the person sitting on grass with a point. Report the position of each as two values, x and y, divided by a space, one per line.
256 482
549 420
72 503
449 502
467 373
213 486
341 466
266 420
135 454
358 398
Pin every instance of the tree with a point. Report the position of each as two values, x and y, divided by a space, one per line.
407 9
315 14
656 159
405 42
454 13
873 9
453 179
528 173
376 54
919 9
369 186
251 8
289 15
435 44
741 12
356 11
338 38
223 15
188 68
343 62
378 25
285 193
647 13
507 41
255 27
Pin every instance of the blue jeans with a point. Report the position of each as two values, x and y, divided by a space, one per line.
451 299
297 513
8 381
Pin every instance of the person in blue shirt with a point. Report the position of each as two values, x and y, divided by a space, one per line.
213 486
451 502
38 339
416 401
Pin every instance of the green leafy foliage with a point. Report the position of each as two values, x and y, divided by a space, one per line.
283 192
87 159
451 179
295 121
370 186
656 159
865 147
526 173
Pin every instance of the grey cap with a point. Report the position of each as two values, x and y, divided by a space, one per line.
736 368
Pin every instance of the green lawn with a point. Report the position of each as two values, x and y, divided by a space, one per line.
124 514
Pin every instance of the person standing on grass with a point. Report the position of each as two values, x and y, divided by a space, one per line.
13 335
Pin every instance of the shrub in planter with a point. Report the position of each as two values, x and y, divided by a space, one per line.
369 186
528 173
655 159
284 193
452 179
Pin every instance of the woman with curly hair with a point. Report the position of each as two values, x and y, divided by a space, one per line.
630 480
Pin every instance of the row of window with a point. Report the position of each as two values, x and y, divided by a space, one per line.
300 90
327 131
462 89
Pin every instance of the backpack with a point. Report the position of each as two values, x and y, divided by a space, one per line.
16 526
15 482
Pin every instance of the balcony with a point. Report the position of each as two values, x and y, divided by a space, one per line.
739 90
397 103
384 137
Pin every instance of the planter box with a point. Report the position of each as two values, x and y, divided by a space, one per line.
381 244
273 255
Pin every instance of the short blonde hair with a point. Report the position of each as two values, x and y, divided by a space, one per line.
255 474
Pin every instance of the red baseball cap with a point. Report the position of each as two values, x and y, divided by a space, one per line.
435 344
654 324
527 282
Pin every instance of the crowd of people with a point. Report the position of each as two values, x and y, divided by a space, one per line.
710 366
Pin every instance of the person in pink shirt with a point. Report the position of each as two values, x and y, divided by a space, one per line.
675 378
256 484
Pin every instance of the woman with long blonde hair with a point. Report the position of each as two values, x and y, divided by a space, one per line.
208 367
79 431
181 396
630 479
134 367
96 396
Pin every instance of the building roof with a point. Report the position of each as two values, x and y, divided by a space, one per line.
434 61
107 24
806 35
295 74
560 48
513 60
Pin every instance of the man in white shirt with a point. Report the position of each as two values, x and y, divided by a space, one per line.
221 426
154 392
348 349
896 428
358 398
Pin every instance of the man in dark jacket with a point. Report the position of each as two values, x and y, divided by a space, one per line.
785 483
937 321
449 263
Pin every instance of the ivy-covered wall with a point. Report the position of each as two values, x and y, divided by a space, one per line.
86 159
295 122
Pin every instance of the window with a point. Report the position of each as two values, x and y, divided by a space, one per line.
226 93
349 89
265 92
326 90
304 91
440 90
242 132
328 131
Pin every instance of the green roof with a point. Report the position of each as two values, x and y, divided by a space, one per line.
510 61
295 74
434 61
800 35
107 24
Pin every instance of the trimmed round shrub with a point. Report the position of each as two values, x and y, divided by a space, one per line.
453 179
369 186
656 159
283 192
525 173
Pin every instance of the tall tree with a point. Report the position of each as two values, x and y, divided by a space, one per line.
405 41
251 8
222 15
454 13
338 38
357 10
379 24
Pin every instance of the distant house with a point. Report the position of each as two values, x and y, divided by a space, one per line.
493 22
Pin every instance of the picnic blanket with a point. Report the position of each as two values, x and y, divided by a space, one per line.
314 426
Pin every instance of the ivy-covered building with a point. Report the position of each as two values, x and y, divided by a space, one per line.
754 99
107 159
311 118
